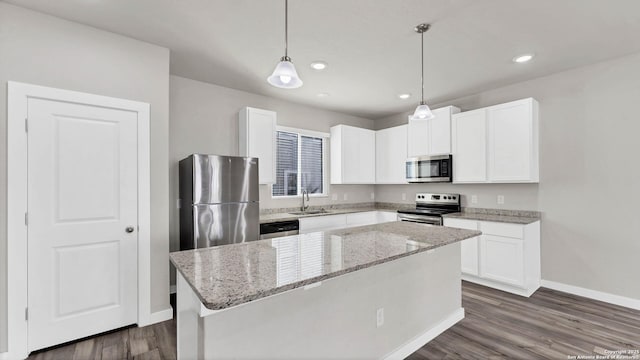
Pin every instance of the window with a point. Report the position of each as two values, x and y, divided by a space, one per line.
299 163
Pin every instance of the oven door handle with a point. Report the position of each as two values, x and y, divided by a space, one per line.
421 218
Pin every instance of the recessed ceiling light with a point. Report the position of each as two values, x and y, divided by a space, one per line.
523 58
318 65
322 95
404 96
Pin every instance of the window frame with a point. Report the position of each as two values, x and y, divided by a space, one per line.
325 158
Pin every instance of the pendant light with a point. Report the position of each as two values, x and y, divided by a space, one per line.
422 111
285 75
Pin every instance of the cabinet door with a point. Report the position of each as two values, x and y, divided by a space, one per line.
469 147
320 223
439 132
362 218
468 248
511 141
417 137
257 138
501 259
358 155
387 216
469 256
391 155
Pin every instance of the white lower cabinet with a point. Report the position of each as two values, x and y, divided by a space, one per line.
386 216
468 247
339 221
505 256
501 259
324 222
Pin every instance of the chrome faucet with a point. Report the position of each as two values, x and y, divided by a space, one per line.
304 207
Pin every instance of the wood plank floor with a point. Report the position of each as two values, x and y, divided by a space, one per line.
497 325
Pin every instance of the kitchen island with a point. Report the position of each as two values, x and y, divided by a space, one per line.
378 291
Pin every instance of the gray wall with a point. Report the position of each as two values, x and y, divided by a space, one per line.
589 179
204 119
44 50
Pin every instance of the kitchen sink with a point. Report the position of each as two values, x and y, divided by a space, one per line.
309 212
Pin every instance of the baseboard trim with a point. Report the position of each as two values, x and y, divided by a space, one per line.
159 316
526 292
420 340
593 294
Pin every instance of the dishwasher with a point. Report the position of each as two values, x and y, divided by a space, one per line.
280 228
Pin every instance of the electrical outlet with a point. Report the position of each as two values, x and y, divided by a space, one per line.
373 196
380 317
404 196
345 197
501 199
334 197
474 199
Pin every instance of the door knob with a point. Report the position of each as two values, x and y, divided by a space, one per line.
129 229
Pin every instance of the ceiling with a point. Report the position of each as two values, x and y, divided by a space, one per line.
370 46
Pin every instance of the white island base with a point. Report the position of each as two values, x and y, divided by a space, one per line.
335 318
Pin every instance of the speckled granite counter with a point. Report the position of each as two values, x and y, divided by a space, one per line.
285 216
494 218
522 217
230 275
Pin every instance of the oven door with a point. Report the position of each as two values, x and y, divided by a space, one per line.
422 219
429 169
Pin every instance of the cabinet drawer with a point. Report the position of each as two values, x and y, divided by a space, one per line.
502 229
461 223
322 222
362 218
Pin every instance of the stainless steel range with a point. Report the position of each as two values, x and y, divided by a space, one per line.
430 208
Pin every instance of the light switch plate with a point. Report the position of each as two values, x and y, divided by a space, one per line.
345 197
404 196
474 199
500 199
373 196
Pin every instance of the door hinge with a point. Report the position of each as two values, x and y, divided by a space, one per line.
26 219
26 314
26 125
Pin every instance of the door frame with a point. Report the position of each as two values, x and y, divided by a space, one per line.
17 255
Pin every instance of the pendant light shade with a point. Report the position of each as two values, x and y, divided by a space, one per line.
422 111
285 75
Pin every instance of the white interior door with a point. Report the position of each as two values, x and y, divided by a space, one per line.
82 197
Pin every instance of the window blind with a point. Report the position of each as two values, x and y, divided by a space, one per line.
299 164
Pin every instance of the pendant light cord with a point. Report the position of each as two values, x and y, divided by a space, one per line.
286 28
422 62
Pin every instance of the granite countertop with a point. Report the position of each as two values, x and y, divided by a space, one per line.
229 275
512 219
286 216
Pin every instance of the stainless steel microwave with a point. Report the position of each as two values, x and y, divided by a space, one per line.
429 169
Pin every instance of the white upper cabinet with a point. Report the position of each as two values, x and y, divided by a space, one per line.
513 141
391 155
497 144
353 155
469 146
257 138
431 137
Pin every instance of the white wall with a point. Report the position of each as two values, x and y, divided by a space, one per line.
589 174
44 50
204 119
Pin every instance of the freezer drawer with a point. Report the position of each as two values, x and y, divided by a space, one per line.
224 224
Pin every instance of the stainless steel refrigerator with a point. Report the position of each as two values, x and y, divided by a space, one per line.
219 200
